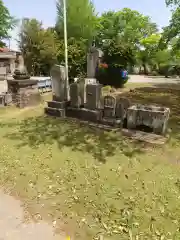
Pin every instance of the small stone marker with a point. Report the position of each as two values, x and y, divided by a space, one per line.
109 107
93 96
74 95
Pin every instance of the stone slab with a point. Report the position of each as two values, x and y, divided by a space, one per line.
55 104
83 114
102 127
145 137
112 122
55 112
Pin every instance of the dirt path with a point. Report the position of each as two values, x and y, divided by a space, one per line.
12 225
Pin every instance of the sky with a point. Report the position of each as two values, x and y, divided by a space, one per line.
45 10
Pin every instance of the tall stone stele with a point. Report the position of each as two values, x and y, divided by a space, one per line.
60 91
94 56
24 90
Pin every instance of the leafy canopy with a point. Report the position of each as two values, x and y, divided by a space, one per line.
81 19
6 22
38 46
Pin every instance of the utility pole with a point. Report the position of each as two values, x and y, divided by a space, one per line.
66 48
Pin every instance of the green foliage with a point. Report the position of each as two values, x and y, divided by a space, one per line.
38 46
121 34
127 25
81 19
76 56
6 22
81 27
172 2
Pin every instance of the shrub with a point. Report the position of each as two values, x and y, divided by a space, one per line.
111 76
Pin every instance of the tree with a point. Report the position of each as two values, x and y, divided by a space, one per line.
127 25
81 29
120 35
6 22
173 2
81 19
147 54
76 56
171 34
38 46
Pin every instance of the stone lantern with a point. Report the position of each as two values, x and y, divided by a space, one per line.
24 90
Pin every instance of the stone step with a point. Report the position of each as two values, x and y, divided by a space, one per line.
56 112
55 104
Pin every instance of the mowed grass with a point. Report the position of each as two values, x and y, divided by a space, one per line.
92 184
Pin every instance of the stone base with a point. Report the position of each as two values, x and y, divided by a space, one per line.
112 122
5 99
24 92
145 137
55 112
83 114
55 104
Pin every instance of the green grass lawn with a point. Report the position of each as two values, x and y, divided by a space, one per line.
95 185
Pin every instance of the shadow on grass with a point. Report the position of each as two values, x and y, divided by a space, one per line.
73 134
78 137
161 95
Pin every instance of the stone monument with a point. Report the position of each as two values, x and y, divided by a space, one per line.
24 91
93 58
152 117
60 91
58 79
75 99
93 96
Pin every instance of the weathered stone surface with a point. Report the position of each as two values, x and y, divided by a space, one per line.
153 117
8 99
83 114
82 88
112 122
82 92
93 96
145 137
5 99
55 104
122 106
90 81
3 73
55 112
24 92
92 61
75 95
59 88
109 107
2 100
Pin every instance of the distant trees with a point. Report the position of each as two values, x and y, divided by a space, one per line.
127 37
38 46
7 22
